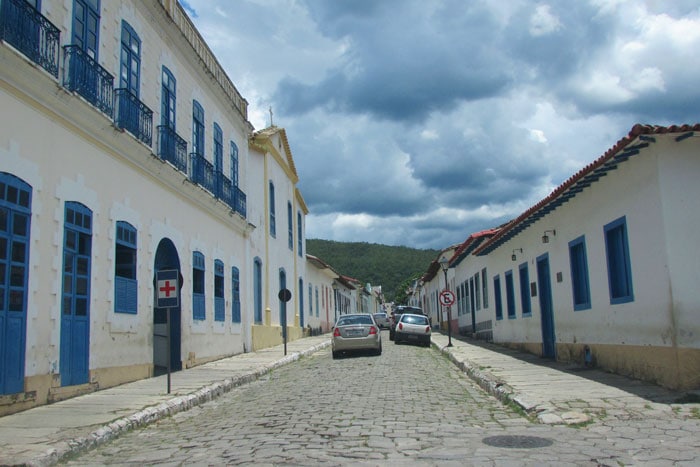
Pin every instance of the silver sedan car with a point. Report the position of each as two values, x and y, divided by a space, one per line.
356 332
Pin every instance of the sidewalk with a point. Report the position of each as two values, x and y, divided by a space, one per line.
554 393
560 393
46 434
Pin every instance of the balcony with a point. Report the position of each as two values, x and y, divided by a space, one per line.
232 195
27 30
132 115
202 172
82 74
172 148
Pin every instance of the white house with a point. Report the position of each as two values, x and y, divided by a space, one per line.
603 271
278 247
136 202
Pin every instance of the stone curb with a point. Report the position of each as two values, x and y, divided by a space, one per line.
168 408
506 394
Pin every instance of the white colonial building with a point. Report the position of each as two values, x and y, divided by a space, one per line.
604 271
127 157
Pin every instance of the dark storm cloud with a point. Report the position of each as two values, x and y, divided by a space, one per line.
401 63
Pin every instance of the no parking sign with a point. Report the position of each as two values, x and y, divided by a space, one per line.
447 298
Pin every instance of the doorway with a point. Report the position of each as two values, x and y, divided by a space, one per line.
166 258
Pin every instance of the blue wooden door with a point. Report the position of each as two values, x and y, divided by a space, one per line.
75 307
15 208
546 307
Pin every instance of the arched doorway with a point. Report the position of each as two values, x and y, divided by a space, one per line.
166 258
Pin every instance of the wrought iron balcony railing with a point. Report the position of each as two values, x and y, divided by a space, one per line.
172 148
27 30
133 115
202 171
82 74
232 195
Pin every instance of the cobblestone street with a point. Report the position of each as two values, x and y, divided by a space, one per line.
410 405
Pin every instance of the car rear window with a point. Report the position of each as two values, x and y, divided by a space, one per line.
408 319
350 320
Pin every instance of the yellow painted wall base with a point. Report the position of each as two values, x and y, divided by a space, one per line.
270 336
677 369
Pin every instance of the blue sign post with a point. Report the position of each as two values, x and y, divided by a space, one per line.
168 296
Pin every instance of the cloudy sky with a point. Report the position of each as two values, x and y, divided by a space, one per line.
418 122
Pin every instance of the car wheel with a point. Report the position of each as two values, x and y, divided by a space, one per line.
335 355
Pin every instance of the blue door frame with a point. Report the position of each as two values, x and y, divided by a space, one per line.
15 216
546 307
167 258
75 306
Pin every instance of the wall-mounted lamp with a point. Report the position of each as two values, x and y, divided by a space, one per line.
545 237
513 257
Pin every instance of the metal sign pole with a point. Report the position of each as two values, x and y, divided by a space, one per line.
167 326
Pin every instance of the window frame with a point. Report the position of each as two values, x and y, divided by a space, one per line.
125 285
618 262
219 300
524 279
199 308
510 295
498 299
580 277
130 59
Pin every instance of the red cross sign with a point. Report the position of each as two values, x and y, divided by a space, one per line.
167 288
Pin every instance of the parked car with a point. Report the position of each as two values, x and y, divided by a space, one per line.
413 328
396 315
382 320
354 333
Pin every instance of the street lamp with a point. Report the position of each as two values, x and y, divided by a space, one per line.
445 264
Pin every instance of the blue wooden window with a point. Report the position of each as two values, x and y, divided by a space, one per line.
219 303
283 304
317 307
86 26
619 267
273 228
257 290
218 149
301 302
477 291
510 295
198 290
168 99
300 239
234 164
15 217
197 129
130 64
290 226
311 300
125 283
580 286
497 296
484 288
525 302
235 295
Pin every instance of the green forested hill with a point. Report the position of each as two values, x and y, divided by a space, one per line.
392 267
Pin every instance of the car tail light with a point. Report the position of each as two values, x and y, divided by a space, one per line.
336 333
372 330
427 329
400 325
